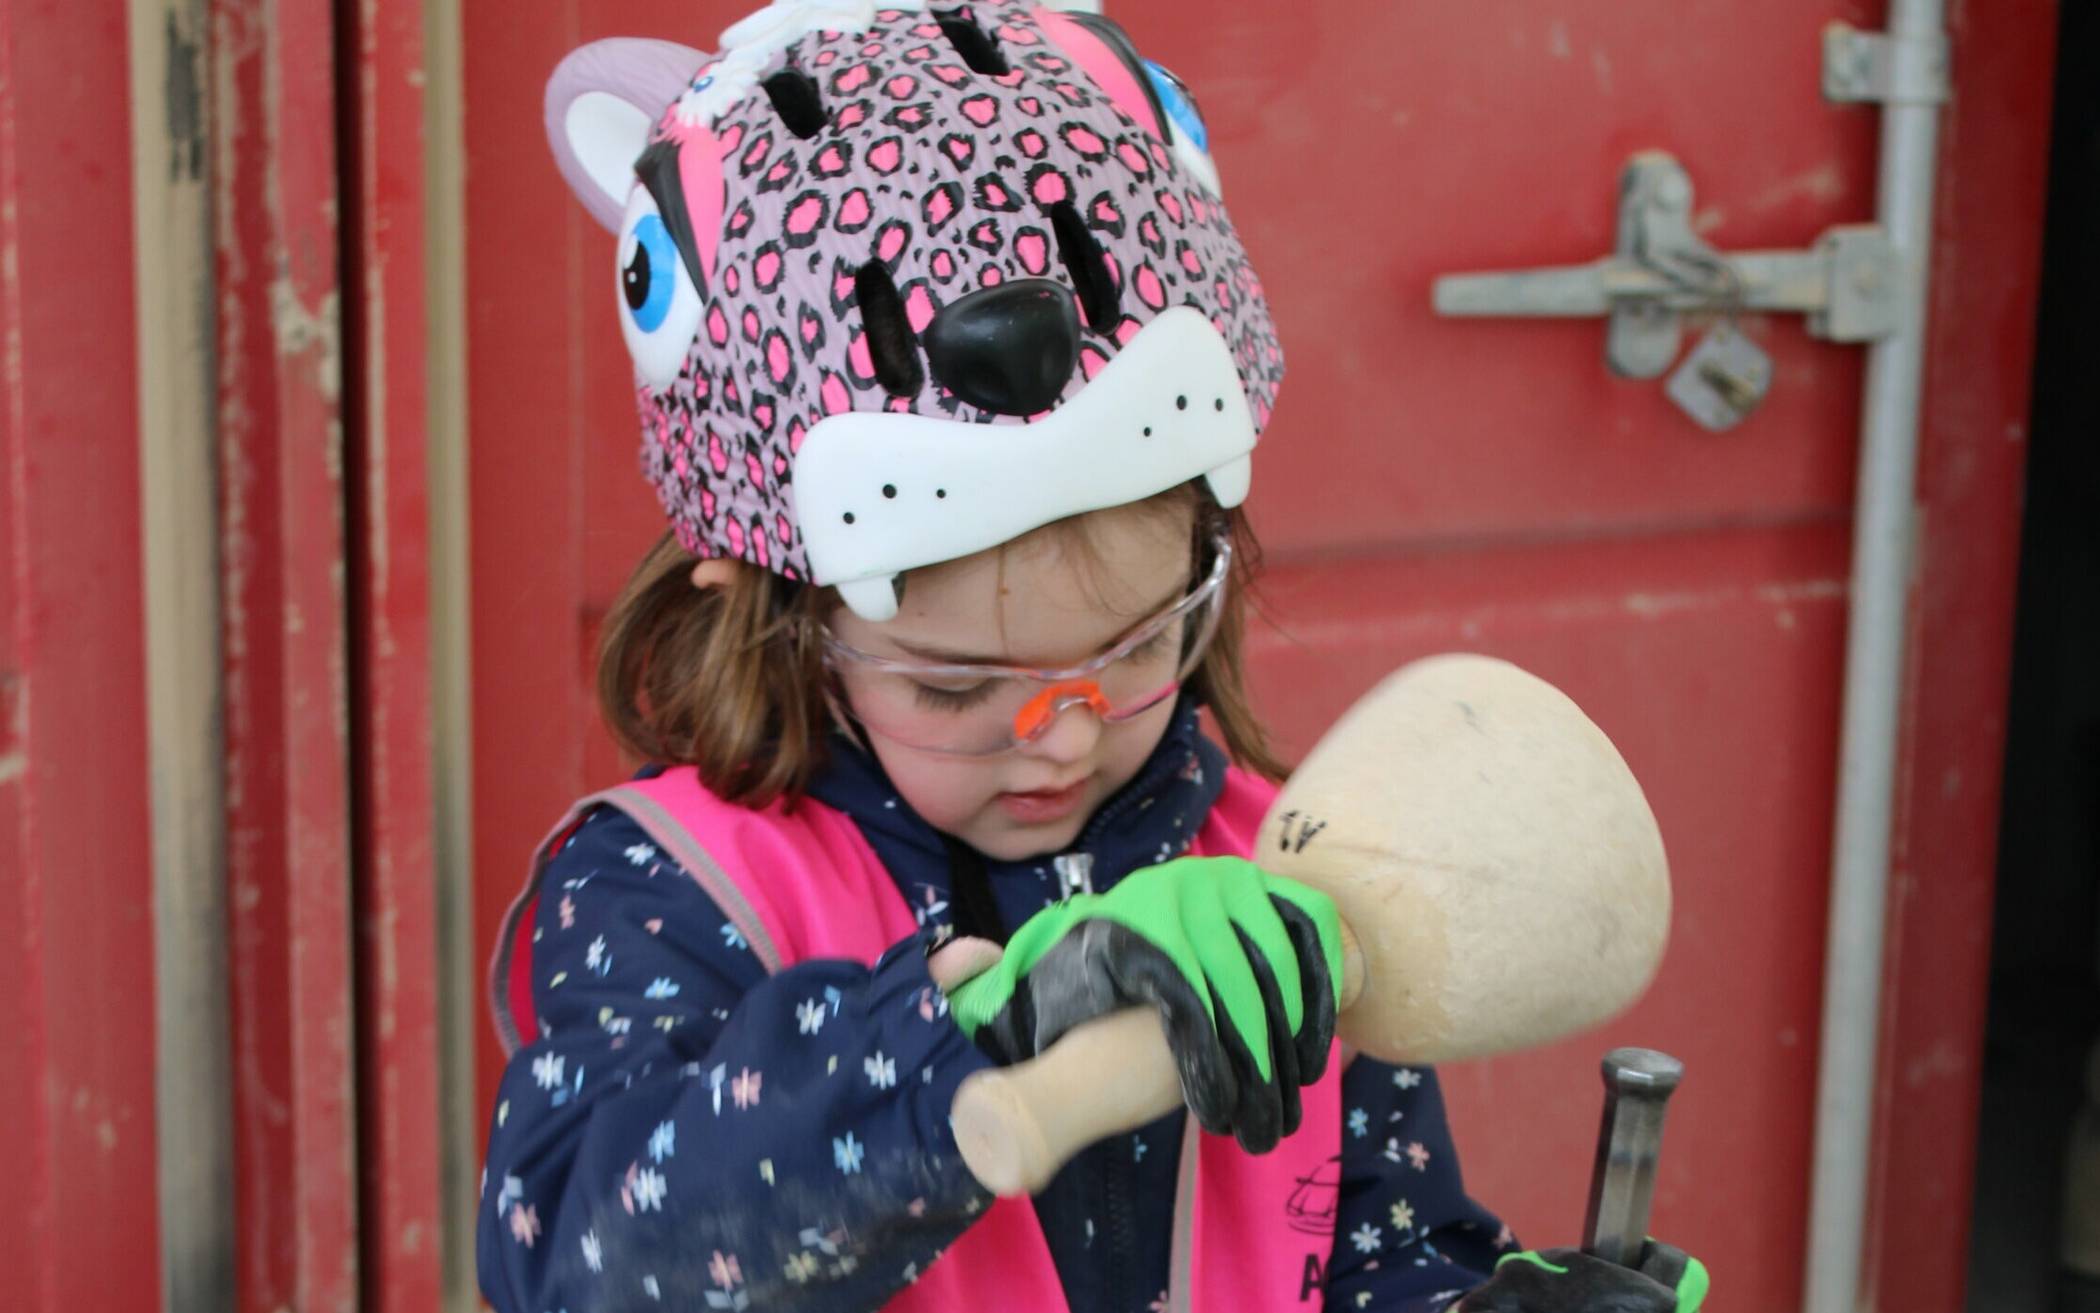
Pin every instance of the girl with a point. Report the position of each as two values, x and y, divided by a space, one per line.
950 367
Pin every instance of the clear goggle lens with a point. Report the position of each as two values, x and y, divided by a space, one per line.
980 710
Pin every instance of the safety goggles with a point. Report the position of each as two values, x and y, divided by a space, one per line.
982 710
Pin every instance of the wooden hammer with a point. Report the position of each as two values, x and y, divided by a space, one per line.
1500 879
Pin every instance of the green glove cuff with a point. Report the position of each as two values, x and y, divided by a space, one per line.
1692 1286
977 1000
1533 1257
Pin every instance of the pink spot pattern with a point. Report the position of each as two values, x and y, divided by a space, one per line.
1048 186
918 307
1149 288
1033 248
837 401
791 222
807 214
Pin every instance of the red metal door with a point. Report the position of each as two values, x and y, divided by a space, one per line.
1431 485
80 1223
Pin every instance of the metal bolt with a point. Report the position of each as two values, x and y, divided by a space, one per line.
1866 278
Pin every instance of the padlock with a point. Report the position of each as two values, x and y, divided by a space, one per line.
1722 380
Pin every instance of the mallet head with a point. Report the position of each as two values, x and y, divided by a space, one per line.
1493 855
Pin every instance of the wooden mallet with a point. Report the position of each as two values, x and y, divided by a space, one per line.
1500 879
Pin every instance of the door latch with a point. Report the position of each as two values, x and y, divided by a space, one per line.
1849 283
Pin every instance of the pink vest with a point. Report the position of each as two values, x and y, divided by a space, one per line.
1249 1231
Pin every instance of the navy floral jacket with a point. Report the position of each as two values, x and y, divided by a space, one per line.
676 1135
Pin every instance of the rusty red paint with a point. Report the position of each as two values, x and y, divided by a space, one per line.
558 512
1430 484
79 1217
1682 656
275 204
399 1160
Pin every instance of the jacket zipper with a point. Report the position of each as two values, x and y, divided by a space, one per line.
1075 874
1122 1235
1075 869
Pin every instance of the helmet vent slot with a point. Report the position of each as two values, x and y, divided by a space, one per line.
893 349
976 46
797 101
1083 260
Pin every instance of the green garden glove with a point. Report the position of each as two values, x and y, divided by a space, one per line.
1570 1281
1244 968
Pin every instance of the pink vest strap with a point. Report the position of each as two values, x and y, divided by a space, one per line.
1249 1231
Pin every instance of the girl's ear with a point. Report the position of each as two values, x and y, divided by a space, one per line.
602 104
715 571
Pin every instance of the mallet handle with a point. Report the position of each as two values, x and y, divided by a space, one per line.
1016 1126
1637 1088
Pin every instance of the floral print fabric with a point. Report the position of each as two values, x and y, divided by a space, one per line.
691 1132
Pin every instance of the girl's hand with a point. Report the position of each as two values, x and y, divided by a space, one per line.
1243 967
960 960
1570 1281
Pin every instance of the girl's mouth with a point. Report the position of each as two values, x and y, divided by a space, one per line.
1043 805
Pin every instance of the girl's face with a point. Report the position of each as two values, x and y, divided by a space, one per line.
1046 603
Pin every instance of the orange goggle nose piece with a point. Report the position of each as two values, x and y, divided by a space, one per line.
1035 716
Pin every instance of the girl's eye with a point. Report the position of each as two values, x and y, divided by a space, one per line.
952 699
659 308
1154 647
1191 133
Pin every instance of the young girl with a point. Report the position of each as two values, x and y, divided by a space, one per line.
950 367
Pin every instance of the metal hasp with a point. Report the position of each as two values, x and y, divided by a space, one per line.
1637 1088
1848 283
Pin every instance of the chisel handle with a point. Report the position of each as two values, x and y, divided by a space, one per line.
1637 1088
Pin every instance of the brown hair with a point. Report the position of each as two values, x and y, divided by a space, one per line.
731 679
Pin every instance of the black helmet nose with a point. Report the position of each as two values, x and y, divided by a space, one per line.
1007 349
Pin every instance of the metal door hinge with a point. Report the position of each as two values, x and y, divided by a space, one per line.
1849 284
1882 68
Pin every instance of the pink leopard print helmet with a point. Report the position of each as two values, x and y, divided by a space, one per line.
903 283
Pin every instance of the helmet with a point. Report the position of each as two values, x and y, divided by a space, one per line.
903 283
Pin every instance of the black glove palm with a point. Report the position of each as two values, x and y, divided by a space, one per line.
1570 1281
1241 967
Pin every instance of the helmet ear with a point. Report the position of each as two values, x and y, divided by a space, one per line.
602 104
1102 48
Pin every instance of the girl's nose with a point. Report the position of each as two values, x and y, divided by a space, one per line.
1044 707
1070 737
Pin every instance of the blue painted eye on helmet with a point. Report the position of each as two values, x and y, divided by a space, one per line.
650 277
1186 126
1174 97
660 310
